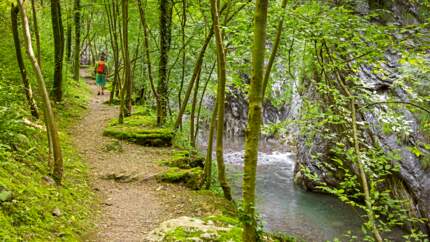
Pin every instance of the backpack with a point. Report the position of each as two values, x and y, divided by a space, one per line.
101 68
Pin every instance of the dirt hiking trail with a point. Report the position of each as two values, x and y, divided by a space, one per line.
129 210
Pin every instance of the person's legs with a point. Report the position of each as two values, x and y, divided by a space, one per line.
102 84
98 83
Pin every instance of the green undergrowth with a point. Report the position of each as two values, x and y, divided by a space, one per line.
140 128
37 209
185 167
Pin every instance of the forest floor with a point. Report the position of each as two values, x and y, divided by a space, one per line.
129 210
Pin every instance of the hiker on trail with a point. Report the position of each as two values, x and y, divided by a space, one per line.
101 71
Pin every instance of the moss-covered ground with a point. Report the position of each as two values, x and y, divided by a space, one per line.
185 167
38 210
140 128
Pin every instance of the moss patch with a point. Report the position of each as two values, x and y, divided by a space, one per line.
185 160
141 130
186 167
189 177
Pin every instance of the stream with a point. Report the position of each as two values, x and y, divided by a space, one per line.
285 208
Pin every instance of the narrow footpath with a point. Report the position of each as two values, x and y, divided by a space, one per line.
129 210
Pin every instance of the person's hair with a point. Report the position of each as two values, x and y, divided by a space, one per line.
102 57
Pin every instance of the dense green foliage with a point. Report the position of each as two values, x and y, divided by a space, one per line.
335 62
37 209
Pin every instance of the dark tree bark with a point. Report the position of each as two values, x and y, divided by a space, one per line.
125 106
166 7
127 65
58 31
68 40
26 83
77 47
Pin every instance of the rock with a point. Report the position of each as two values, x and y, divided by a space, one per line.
48 180
56 212
5 195
122 177
192 226
208 236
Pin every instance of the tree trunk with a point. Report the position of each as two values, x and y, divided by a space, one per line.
220 100
27 87
199 62
50 119
193 111
252 134
58 31
147 52
201 101
207 175
197 68
77 49
166 7
112 21
68 40
36 32
127 67
275 47
125 106
183 25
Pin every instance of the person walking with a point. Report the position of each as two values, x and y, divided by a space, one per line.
101 72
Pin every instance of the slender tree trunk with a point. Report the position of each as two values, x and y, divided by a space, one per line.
165 38
201 101
147 52
127 67
207 175
275 47
183 25
199 62
193 111
220 100
36 32
125 106
27 87
197 69
112 20
68 40
77 50
50 119
58 31
254 121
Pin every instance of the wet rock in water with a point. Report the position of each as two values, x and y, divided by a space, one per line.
186 229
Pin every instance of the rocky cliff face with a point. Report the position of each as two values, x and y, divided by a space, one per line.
413 180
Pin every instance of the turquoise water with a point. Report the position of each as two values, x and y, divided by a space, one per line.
286 208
